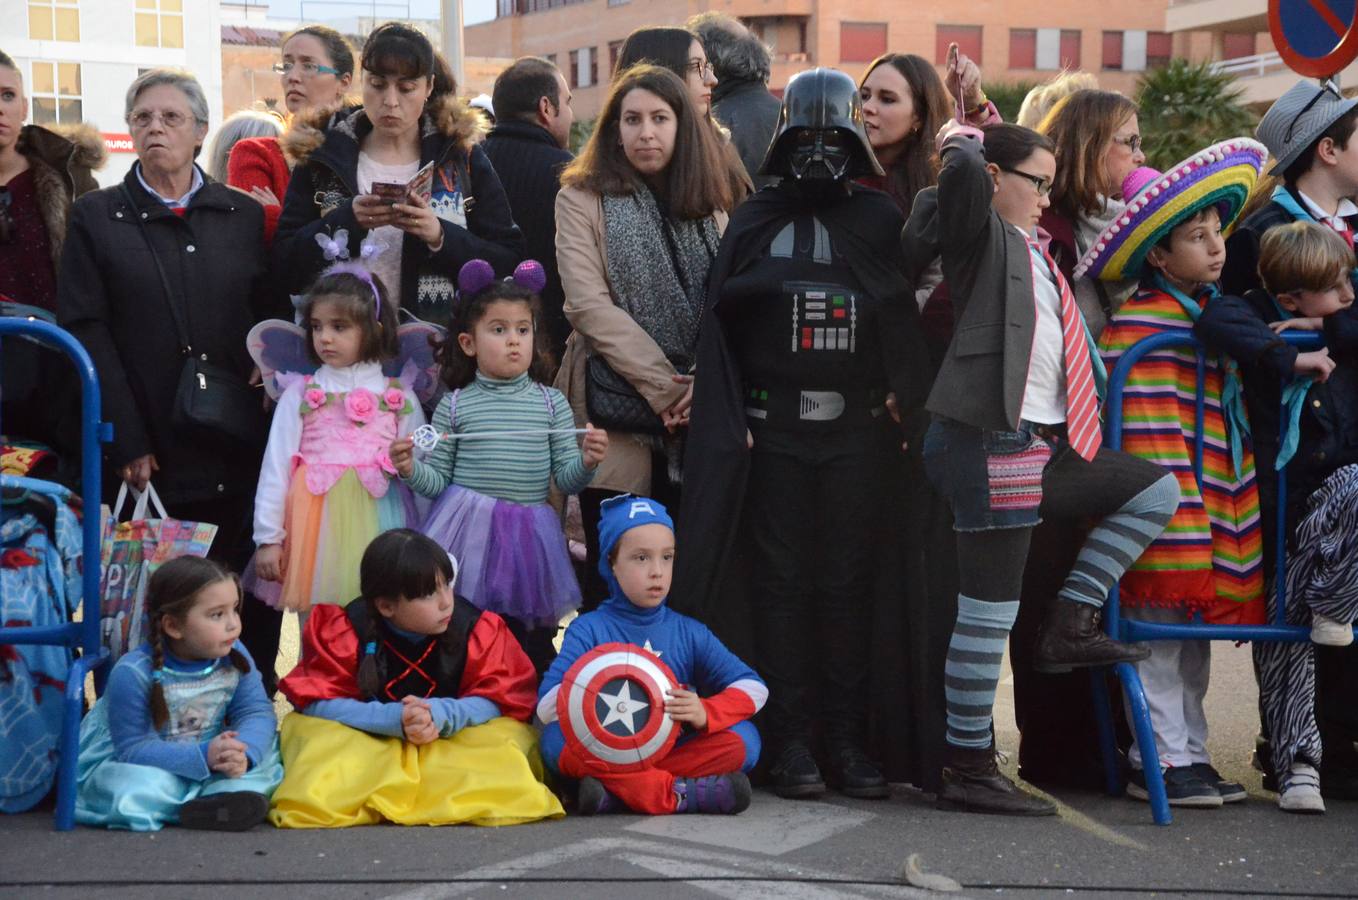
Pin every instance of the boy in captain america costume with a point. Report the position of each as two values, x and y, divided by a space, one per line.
704 772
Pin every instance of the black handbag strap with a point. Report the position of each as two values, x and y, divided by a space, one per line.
185 345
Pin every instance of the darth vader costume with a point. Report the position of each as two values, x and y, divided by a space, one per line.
797 544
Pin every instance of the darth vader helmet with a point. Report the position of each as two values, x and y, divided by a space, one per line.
820 134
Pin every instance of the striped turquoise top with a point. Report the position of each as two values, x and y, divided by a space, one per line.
517 469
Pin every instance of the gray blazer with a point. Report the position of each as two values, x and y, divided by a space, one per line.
988 270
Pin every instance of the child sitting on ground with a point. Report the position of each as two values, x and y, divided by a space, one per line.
1307 271
411 705
704 772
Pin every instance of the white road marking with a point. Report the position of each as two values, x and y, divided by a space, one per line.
771 829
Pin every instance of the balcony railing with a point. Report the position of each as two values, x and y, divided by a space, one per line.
1256 66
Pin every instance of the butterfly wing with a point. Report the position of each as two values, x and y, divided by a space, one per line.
416 346
278 347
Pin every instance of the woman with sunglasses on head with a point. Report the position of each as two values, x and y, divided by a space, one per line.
680 51
316 70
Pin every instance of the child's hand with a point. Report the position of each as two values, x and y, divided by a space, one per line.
402 453
595 446
417 721
269 562
1316 364
685 707
1311 323
226 754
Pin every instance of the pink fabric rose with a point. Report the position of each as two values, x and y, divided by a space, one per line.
384 462
314 397
395 399
361 406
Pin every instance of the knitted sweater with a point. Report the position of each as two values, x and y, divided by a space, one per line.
518 468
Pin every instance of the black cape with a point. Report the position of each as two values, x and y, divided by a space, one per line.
914 606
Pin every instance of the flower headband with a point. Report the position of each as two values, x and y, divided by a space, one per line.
337 248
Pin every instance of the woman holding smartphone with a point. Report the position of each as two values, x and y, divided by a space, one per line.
353 182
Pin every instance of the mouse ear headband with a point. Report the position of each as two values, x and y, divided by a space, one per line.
476 275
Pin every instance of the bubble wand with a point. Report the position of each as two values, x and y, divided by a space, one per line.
427 437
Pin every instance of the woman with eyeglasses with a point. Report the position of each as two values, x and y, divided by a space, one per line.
680 51
315 72
354 170
161 278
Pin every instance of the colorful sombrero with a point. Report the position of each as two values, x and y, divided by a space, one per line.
1223 175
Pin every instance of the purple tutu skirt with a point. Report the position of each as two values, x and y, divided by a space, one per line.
512 557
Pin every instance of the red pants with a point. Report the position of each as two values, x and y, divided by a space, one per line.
651 791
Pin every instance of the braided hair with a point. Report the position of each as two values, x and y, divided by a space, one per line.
404 565
173 591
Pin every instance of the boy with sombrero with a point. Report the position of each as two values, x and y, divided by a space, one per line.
1312 134
1207 562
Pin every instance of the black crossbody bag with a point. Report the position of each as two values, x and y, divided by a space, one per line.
209 397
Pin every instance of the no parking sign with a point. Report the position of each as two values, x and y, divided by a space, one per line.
1316 38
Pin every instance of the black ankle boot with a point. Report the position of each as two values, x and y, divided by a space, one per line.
973 783
795 773
1071 638
854 775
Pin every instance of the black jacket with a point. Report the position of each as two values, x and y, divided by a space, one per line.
529 163
110 297
325 180
750 113
1241 273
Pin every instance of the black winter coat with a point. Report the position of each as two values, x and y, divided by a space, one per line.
325 180
1241 273
529 163
750 113
110 297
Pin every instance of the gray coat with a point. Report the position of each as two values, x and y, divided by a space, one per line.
988 269
750 113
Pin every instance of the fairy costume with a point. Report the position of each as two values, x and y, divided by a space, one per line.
348 763
135 776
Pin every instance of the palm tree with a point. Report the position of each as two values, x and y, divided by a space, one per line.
1187 106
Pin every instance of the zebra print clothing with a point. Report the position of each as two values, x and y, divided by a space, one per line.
1322 577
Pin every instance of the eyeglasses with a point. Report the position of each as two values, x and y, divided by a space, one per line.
700 67
1041 183
309 69
6 219
170 118
1327 88
1132 142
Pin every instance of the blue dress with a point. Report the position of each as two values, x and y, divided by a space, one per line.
132 775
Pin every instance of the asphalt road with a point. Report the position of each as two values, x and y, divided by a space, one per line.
779 850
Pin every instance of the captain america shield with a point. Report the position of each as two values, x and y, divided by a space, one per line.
612 706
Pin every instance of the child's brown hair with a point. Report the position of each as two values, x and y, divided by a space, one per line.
1302 256
173 591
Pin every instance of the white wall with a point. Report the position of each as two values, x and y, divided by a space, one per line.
110 58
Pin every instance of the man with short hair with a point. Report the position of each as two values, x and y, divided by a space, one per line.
527 147
741 100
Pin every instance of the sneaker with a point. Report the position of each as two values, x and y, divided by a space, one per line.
1183 787
854 775
1230 791
795 773
593 799
1329 632
720 794
1301 791
232 811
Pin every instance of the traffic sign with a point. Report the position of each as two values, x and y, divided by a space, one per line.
1316 38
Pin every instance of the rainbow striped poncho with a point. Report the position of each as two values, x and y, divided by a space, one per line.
1210 557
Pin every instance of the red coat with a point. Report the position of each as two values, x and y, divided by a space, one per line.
259 162
496 666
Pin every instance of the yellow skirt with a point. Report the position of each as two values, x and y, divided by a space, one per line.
336 776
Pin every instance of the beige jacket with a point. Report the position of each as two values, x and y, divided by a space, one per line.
600 326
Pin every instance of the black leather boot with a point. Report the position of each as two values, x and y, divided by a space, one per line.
850 772
1071 638
795 773
972 782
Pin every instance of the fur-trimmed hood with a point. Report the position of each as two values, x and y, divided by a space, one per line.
309 131
62 159
64 146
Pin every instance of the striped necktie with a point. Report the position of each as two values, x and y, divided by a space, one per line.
1082 399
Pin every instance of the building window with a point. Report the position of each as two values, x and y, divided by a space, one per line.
53 20
1234 46
593 66
1070 49
1022 48
966 37
1112 50
574 75
614 48
618 2
861 41
55 94
160 23
1159 49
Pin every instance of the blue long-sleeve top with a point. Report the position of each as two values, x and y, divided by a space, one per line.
730 689
136 739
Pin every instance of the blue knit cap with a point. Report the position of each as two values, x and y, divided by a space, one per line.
618 515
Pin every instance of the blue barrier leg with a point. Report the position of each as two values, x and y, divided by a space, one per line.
70 736
1103 717
1145 741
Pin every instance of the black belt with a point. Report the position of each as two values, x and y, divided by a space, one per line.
788 406
1053 433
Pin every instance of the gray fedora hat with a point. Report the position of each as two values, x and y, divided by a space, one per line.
1298 118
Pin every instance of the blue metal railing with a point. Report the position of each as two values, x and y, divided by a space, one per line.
82 635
